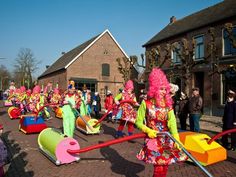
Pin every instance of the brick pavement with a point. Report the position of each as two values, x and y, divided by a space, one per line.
115 161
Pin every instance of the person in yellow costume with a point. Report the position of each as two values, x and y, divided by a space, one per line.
156 115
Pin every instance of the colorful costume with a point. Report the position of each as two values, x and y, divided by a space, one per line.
85 107
158 150
128 112
23 100
109 100
96 104
35 98
56 97
159 116
68 111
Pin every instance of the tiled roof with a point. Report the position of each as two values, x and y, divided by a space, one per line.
220 11
64 60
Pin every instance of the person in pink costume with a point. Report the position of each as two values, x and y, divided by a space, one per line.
56 96
23 100
48 91
128 112
156 115
35 98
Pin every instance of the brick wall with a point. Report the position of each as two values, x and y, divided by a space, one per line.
89 65
212 84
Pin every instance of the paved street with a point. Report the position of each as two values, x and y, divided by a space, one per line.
118 160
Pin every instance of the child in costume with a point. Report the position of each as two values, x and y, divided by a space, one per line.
48 92
85 107
35 99
42 102
23 100
158 114
128 113
70 100
56 100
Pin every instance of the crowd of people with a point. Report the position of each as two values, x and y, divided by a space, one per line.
153 112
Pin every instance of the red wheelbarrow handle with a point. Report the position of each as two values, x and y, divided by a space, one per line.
42 107
221 134
108 143
113 106
135 136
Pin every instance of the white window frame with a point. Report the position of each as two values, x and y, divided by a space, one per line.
176 62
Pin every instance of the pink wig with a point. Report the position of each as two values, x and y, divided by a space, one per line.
157 80
22 89
56 91
28 92
129 85
17 91
36 89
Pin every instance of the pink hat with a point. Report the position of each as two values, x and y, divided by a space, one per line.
36 89
28 91
56 90
129 85
22 89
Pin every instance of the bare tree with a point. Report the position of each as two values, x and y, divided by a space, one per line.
5 76
25 66
125 66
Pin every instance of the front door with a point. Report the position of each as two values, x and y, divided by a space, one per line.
199 82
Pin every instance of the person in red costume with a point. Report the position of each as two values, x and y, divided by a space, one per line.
156 115
128 112
109 100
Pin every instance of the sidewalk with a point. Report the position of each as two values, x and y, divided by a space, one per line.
211 123
208 123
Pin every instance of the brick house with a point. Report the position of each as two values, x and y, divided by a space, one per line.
213 69
92 63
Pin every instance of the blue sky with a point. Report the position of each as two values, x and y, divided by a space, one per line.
49 27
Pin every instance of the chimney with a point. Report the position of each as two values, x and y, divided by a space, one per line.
173 19
63 53
47 66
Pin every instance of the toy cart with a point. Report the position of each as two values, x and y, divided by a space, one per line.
86 125
54 144
31 124
7 103
62 150
58 112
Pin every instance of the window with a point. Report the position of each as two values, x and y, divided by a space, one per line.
199 50
229 81
175 56
105 69
90 86
227 44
